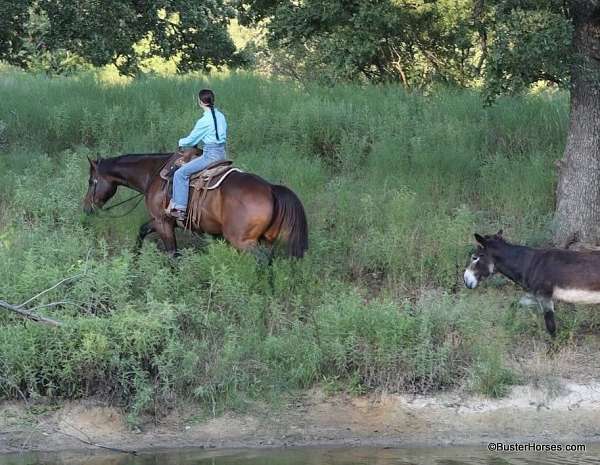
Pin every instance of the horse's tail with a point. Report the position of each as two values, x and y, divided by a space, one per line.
289 221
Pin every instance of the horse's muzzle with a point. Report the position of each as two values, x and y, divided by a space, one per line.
90 209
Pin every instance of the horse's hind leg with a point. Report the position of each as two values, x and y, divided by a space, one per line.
145 229
241 235
248 245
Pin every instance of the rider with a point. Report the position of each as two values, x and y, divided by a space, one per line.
211 130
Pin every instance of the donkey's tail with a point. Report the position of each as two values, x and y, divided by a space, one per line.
289 221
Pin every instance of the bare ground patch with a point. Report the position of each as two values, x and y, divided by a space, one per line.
530 412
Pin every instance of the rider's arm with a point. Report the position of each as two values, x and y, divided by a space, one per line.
199 132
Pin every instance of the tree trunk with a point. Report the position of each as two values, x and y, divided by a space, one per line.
577 214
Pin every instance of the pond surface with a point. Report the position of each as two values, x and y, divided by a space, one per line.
314 456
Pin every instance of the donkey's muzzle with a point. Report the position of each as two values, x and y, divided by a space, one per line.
470 279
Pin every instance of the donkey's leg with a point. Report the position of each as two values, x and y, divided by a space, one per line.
528 300
547 306
166 231
145 229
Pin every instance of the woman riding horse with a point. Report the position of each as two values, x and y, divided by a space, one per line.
245 209
211 131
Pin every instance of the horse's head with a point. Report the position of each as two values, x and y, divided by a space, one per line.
100 188
482 262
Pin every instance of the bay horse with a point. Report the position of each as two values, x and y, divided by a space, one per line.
246 209
546 274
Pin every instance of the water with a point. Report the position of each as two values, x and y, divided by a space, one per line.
313 456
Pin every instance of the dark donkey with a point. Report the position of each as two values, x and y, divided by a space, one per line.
547 274
246 210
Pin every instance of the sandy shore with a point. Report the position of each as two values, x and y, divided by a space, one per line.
570 414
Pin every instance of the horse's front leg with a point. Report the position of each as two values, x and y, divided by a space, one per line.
145 229
166 231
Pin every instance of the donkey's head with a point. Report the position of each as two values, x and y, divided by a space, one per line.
100 188
482 262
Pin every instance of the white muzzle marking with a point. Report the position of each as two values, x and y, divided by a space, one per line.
470 279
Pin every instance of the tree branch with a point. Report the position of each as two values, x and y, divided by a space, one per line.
551 78
95 444
30 315
49 289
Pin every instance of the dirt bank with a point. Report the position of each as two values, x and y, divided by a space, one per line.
568 413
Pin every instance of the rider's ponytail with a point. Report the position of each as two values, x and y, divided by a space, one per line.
207 97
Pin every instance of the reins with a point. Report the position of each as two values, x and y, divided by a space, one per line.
102 211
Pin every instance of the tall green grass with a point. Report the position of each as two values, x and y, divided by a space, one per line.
394 185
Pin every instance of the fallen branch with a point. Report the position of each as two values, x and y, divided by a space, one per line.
29 314
90 442
34 316
101 446
70 278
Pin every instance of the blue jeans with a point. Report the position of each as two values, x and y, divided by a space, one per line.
181 179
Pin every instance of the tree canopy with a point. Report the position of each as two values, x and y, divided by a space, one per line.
410 41
506 44
531 42
109 31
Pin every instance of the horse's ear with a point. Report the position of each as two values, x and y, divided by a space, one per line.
479 239
499 234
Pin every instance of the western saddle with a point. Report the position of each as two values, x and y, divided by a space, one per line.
201 182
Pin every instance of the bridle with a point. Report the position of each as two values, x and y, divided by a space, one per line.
103 211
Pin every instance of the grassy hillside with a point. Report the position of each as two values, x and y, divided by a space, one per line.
394 185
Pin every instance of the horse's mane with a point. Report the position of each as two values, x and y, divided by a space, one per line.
125 159
138 156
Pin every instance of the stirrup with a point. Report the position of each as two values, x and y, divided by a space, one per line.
179 215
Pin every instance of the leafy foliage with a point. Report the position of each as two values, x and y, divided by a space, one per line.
394 185
383 40
532 42
13 17
193 33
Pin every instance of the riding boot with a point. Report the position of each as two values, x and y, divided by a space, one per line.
179 215
175 212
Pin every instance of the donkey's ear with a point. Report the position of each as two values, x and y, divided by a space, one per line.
479 239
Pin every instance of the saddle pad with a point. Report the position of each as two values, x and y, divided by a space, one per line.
213 178
212 170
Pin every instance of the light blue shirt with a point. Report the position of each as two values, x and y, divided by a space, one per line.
204 130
